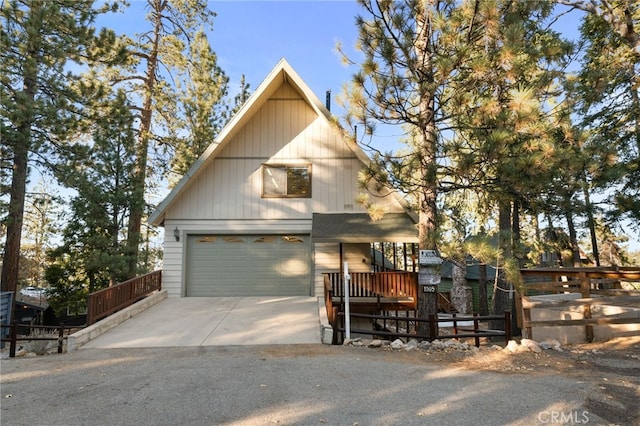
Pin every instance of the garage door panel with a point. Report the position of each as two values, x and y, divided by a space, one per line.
248 265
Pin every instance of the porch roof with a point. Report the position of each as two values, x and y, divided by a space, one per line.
359 228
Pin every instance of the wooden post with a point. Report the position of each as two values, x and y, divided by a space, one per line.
585 289
526 321
455 324
433 327
60 338
507 326
428 279
476 327
14 337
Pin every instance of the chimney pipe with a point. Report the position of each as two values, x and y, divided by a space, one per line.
328 100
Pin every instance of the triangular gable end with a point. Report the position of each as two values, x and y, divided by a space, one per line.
282 73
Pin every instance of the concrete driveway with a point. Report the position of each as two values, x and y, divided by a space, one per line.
217 321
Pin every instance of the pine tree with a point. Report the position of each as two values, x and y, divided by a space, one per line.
204 115
38 41
411 52
41 218
609 91
158 58
102 173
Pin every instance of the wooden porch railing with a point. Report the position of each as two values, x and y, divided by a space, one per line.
374 284
102 303
385 290
370 290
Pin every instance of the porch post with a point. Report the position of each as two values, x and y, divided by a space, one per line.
347 309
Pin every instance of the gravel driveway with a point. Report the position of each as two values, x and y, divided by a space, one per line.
285 384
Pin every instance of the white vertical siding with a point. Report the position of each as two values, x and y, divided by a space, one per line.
172 265
326 259
285 130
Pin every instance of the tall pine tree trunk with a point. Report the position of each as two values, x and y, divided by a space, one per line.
515 236
591 223
573 236
461 294
427 236
21 147
142 150
11 257
502 289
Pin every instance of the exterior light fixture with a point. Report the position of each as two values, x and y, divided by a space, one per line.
176 233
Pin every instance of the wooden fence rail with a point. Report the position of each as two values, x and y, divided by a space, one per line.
605 283
475 332
105 302
13 335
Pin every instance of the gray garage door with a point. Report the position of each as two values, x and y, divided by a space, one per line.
248 265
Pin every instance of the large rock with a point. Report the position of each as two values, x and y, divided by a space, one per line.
397 344
532 345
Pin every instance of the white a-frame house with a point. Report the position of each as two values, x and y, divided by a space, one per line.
271 204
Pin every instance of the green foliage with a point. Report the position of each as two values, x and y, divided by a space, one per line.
67 290
39 108
41 225
101 172
173 85
609 105
204 115
411 50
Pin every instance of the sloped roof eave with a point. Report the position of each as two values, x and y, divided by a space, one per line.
360 228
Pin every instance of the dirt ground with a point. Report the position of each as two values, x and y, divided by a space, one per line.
612 369
609 372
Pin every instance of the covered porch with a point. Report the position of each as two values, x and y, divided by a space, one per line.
382 261
381 257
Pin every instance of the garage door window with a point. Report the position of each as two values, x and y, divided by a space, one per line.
290 239
267 239
233 239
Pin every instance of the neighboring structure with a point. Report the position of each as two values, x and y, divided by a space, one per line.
271 204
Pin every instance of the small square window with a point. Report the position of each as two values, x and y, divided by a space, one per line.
286 181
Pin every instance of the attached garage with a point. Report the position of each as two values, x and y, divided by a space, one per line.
248 265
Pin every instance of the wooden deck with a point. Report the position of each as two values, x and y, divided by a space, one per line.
375 292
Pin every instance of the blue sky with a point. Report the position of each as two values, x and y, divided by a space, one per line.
250 37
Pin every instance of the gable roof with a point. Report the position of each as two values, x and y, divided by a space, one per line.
281 73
